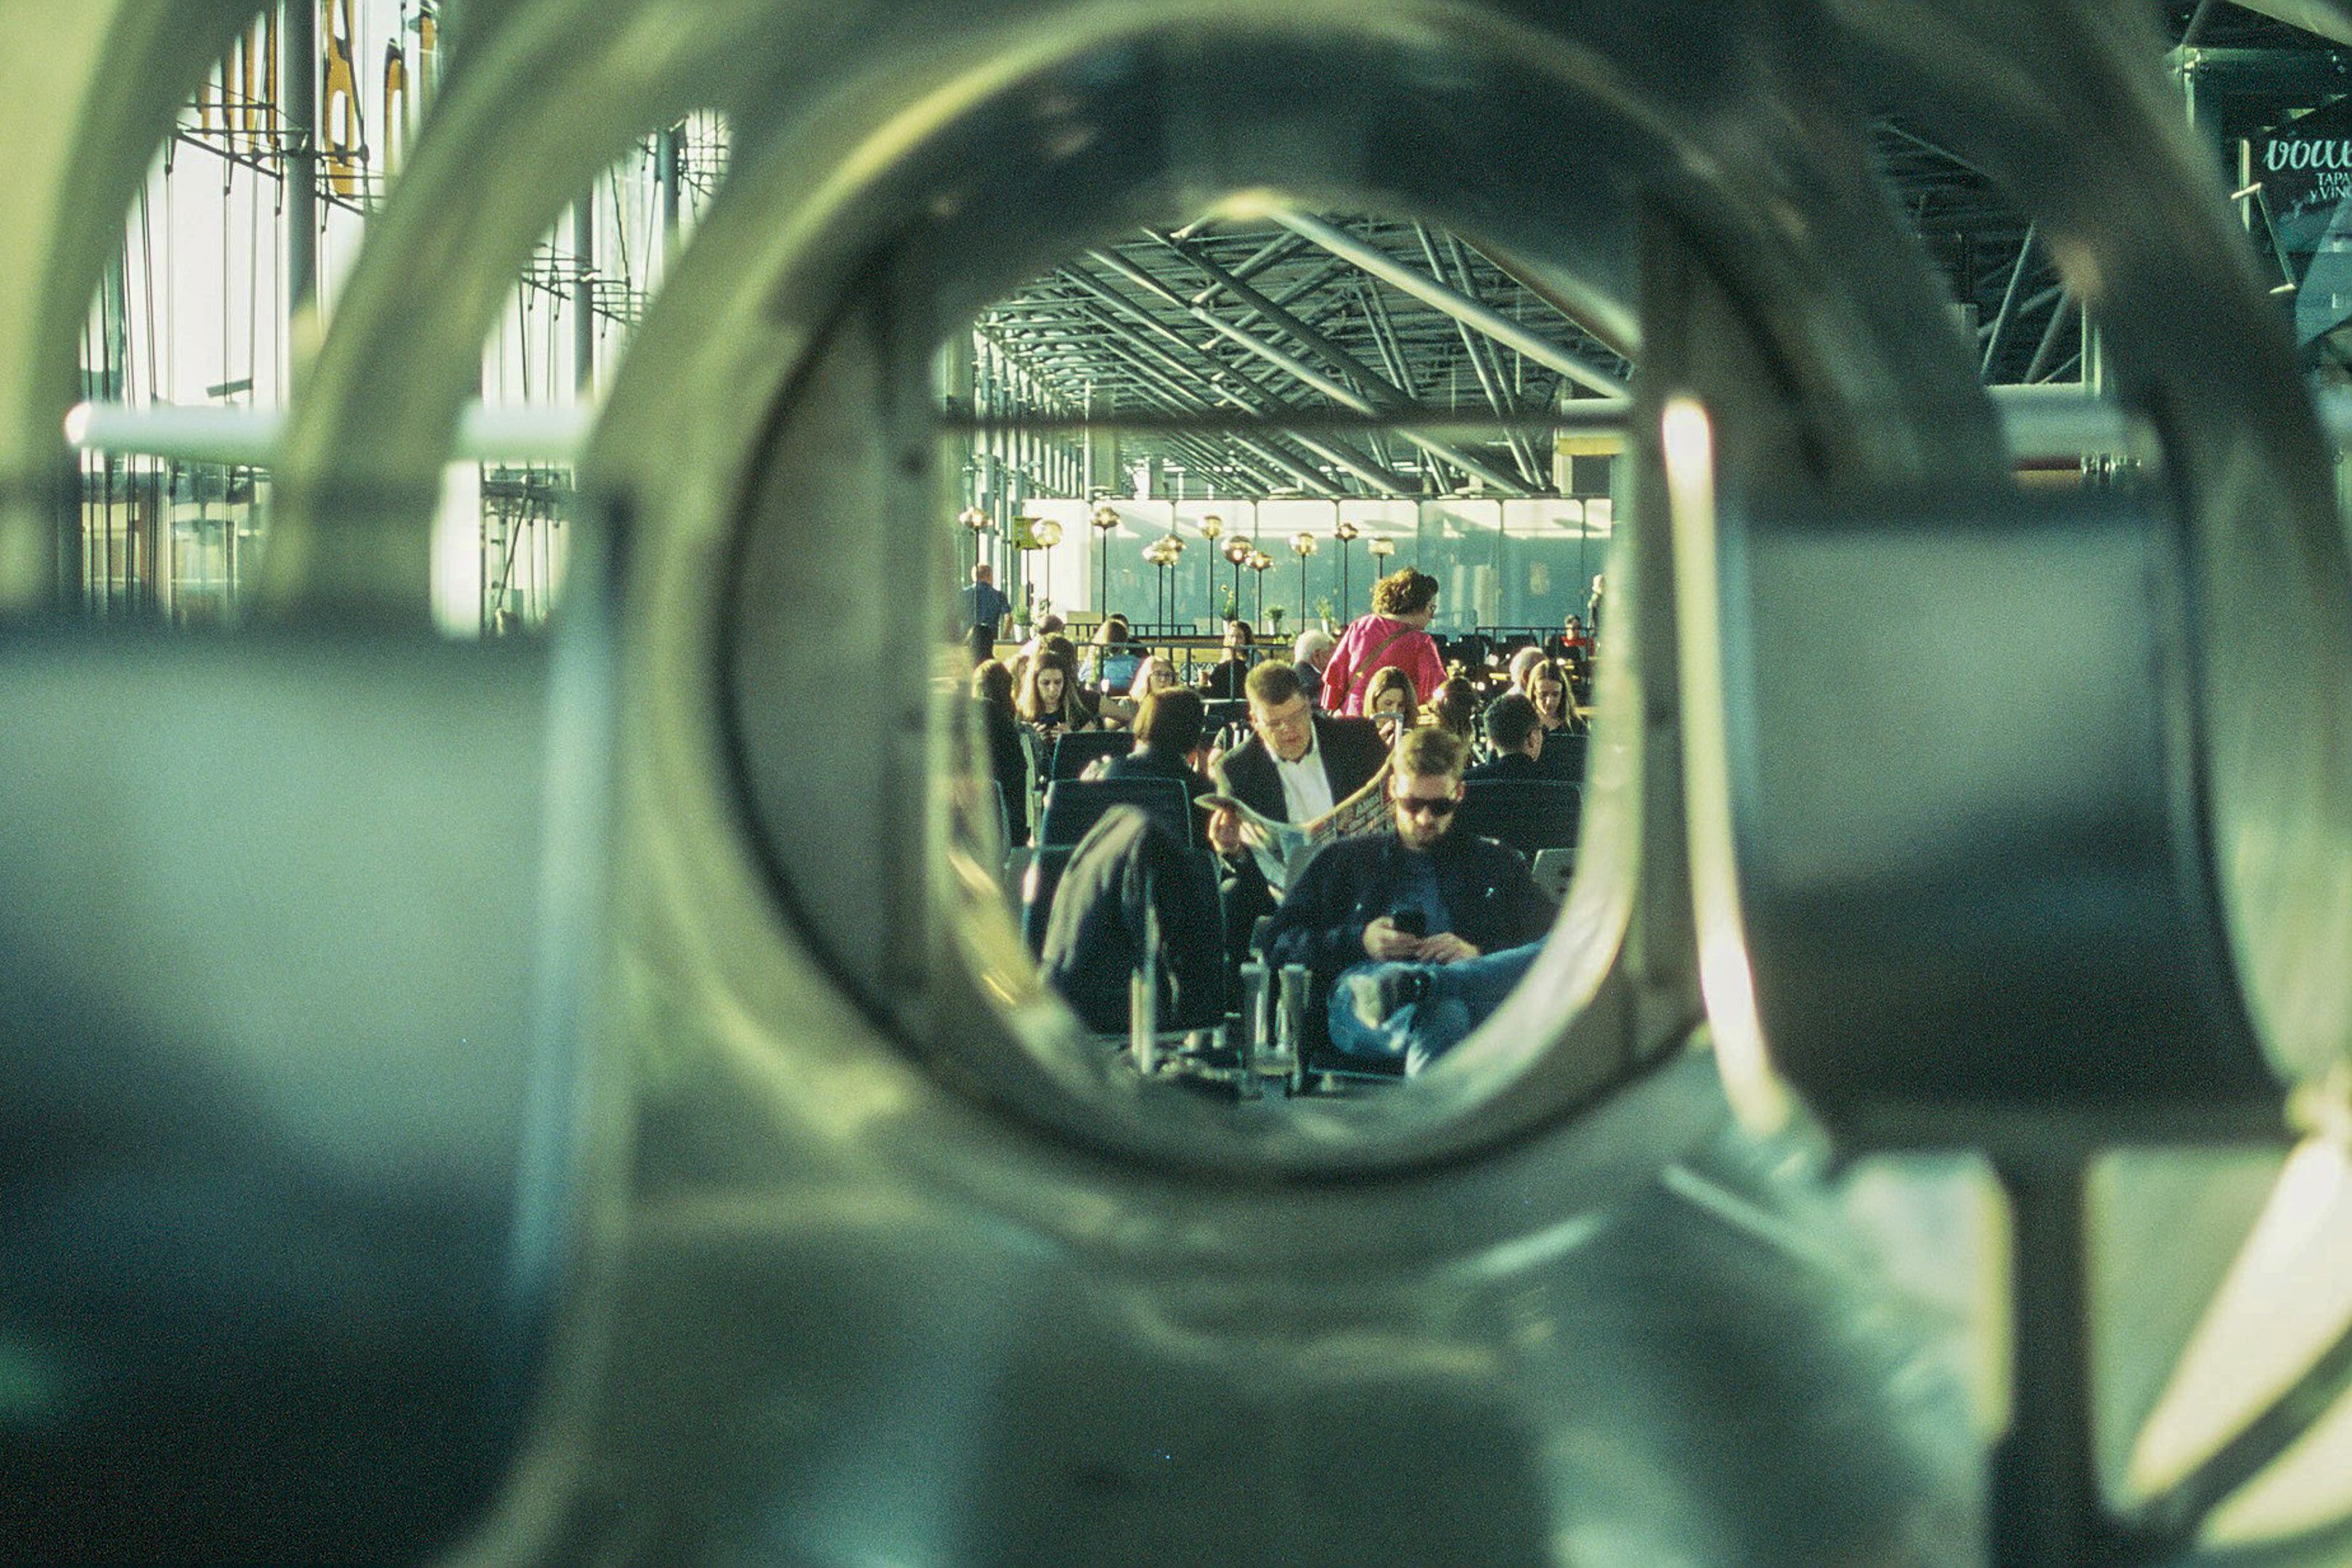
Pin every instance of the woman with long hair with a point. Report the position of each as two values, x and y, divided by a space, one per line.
1388 701
1456 707
999 738
1049 697
1548 689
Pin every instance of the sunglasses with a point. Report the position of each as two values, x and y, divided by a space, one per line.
1437 805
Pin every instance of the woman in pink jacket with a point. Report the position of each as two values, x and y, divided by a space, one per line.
1394 636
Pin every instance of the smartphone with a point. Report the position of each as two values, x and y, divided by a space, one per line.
1413 923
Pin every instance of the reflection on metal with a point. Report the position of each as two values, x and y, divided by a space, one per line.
2038 423
1758 1097
513 433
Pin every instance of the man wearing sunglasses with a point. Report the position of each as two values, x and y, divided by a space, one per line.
1419 933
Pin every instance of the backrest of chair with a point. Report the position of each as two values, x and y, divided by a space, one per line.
1038 888
1074 754
1220 711
1528 814
1564 756
1073 805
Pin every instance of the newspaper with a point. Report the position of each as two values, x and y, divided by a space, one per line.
1280 846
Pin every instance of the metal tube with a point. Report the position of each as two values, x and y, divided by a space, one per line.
1216 392
583 294
669 167
1489 374
1265 256
2007 301
300 72
1437 296
2048 342
1347 397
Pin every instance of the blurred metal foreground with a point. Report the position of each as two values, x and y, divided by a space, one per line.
902 1277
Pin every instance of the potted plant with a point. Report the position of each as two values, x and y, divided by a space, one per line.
1323 613
1274 613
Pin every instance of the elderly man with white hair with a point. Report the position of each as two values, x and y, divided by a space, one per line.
1311 652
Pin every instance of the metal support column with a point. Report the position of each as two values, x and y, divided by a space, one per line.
583 294
300 72
669 169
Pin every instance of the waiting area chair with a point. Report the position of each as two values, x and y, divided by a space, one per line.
1073 805
1528 814
1074 754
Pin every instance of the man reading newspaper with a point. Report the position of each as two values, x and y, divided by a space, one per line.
1296 766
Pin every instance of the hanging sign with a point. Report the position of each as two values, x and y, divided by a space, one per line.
2305 169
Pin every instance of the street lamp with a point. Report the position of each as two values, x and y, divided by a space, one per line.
1045 534
1346 534
1381 547
975 523
1210 527
1103 519
1237 550
1303 543
1258 561
1164 554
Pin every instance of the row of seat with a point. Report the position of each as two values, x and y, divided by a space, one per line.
1528 814
1072 754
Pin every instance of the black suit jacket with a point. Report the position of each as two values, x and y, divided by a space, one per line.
1348 884
1352 750
1511 765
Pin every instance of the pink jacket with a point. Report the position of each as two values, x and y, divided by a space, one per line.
1361 652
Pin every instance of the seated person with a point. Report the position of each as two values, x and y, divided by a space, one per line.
1156 673
1049 700
1116 656
1127 865
1547 688
991 701
1456 707
1170 742
1574 644
1298 764
1308 655
1227 678
1421 933
1517 738
1296 767
1389 703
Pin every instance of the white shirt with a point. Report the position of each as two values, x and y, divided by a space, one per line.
1306 787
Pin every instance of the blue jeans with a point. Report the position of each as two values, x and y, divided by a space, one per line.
1459 997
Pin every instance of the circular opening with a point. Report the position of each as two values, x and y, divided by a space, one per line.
848 722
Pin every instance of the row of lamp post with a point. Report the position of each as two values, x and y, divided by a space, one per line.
1166 553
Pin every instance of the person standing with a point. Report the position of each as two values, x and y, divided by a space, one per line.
1395 636
983 603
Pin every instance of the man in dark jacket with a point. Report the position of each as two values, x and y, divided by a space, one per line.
1097 935
1516 735
1420 933
1169 729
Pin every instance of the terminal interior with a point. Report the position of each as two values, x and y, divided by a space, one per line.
655 904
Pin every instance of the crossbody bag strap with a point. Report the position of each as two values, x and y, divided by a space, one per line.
1372 663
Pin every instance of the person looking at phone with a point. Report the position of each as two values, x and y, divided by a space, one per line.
1420 933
